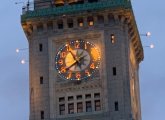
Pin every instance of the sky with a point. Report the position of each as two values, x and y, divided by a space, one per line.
14 80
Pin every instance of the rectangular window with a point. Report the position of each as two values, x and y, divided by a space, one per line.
97 105
61 99
60 26
97 95
70 25
112 38
40 47
42 115
70 108
70 98
41 80
79 97
87 96
114 71
91 23
79 107
50 25
116 106
62 109
88 106
40 28
80 22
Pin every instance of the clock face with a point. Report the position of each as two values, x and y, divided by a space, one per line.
77 60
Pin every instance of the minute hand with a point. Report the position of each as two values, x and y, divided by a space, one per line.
71 65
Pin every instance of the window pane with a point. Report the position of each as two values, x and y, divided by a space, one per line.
97 95
62 109
79 107
70 108
97 105
88 106
61 99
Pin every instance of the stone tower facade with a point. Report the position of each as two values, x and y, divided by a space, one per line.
112 93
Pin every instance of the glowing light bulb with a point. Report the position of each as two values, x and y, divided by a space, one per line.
152 46
17 50
23 61
148 34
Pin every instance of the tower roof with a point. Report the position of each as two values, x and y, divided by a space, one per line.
52 10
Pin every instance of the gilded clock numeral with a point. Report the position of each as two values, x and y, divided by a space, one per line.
63 70
60 62
69 75
78 75
92 66
77 45
68 48
87 72
62 54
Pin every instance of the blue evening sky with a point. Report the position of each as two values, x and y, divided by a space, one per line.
14 96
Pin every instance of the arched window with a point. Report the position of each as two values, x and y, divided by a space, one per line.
100 19
80 22
90 21
70 23
60 24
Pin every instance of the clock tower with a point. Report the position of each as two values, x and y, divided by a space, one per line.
84 58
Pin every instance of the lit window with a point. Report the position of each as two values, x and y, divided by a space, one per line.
62 109
79 107
97 105
112 38
88 106
90 21
70 108
80 22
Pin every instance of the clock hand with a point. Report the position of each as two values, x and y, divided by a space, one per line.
76 63
80 58
79 61
81 53
71 65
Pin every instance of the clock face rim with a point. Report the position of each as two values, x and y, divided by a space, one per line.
84 42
